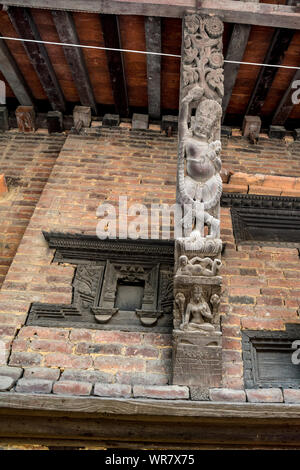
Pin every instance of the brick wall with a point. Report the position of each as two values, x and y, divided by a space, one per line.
261 286
26 161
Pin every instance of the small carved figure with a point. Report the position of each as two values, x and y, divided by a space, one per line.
215 301
198 266
198 315
180 301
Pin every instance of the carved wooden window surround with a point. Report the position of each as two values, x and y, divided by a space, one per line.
267 357
118 284
267 219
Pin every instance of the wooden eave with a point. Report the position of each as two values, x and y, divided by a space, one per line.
127 83
137 423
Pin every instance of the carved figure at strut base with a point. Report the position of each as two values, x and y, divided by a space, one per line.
198 266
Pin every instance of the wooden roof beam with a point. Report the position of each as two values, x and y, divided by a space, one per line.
65 26
286 104
112 39
235 52
153 44
14 77
230 11
275 54
24 25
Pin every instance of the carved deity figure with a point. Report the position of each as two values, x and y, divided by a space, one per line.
198 315
198 266
199 191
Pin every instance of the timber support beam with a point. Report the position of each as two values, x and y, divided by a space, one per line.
136 424
231 11
26 28
65 26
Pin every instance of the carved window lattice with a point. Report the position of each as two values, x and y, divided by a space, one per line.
267 358
272 220
110 275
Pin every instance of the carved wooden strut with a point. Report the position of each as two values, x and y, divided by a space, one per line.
197 284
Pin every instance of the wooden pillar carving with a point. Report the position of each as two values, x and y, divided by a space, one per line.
197 358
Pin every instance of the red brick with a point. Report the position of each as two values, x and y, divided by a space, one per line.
227 395
158 339
235 188
115 363
34 385
6 383
170 392
13 372
24 359
291 395
262 324
3 185
51 346
264 395
112 390
269 191
81 335
283 183
65 360
72 388
92 348
44 373
43 333
142 351
117 337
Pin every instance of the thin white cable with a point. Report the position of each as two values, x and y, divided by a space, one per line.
141 52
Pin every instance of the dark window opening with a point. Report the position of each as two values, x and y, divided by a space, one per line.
129 295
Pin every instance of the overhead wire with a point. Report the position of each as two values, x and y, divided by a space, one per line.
257 64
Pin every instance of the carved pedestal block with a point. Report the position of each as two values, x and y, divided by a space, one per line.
82 114
25 118
197 359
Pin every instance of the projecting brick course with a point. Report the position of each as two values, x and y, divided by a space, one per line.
72 388
171 392
265 395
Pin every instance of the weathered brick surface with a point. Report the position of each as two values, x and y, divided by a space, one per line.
291 395
87 376
227 395
13 372
261 284
112 390
264 395
72 388
34 386
26 161
171 392
42 373
6 383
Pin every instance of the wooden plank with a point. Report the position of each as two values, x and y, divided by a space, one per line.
22 21
236 49
153 44
275 54
231 11
286 105
65 26
165 409
148 422
14 77
112 39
